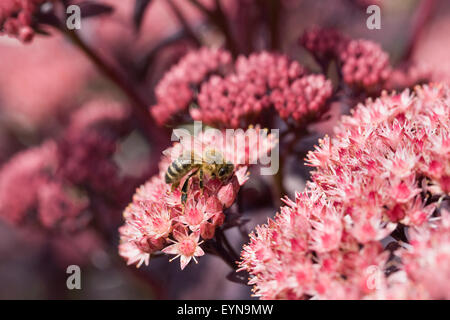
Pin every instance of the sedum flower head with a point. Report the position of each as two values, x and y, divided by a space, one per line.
17 18
386 168
178 87
57 173
408 75
364 64
53 203
260 81
227 94
88 144
29 168
427 261
238 99
307 252
324 43
303 99
157 220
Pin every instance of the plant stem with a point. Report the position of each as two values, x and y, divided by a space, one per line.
213 247
219 246
227 244
138 105
298 134
144 63
222 23
184 23
274 12
219 18
422 16
279 191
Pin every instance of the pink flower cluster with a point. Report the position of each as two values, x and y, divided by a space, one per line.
362 63
35 168
158 220
409 75
16 18
306 252
262 80
306 97
179 86
389 150
426 262
236 98
88 143
56 172
386 168
325 43
27 168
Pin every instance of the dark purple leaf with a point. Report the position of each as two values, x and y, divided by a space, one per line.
48 18
92 9
139 11
41 32
240 277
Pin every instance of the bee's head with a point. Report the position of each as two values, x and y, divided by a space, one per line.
225 171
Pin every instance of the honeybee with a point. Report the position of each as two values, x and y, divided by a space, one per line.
211 162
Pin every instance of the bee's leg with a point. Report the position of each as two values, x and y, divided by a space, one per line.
174 185
185 187
184 190
200 179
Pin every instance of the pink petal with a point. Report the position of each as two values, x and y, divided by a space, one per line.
184 261
172 249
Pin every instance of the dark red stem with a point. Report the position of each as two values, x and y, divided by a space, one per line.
218 17
139 107
422 16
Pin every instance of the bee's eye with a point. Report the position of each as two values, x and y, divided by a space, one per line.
222 171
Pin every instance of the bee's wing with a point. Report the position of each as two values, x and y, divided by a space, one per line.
213 155
198 158
190 157
199 152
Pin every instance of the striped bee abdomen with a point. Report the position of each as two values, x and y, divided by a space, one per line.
177 170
